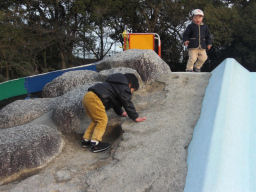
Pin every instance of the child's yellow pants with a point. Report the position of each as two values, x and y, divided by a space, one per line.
96 111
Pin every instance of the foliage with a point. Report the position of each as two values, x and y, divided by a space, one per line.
42 35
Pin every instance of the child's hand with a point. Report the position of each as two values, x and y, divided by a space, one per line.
140 119
124 114
209 47
186 43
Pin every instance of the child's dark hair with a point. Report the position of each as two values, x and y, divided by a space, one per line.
132 79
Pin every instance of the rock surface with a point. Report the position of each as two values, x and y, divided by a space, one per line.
146 62
24 111
69 111
69 114
69 81
105 73
62 176
25 149
150 156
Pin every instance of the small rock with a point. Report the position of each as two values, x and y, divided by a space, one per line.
62 176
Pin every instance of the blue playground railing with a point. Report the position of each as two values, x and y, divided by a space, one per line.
33 84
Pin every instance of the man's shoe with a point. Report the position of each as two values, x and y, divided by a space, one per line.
96 148
86 144
188 70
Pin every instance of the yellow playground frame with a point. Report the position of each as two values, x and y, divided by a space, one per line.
141 41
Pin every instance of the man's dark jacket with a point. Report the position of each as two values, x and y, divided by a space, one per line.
197 35
115 93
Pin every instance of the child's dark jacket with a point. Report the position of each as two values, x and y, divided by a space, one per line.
197 35
115 93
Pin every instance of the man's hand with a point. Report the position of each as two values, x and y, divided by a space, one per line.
124 114
209 47
186 43
140 119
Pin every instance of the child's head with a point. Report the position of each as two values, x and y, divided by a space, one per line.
197 16
133 81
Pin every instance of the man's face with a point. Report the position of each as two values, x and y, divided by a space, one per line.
198 19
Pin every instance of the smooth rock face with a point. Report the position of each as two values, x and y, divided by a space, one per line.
68 81
42 184
23 111
146 62
151 156
27 148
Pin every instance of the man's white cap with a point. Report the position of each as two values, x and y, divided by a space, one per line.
197 12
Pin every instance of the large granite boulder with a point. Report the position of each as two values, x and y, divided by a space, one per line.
105 73
23 111
69 111
25 149
69 81
70 115
146 62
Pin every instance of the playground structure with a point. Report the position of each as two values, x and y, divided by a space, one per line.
33 84
221 155
141 41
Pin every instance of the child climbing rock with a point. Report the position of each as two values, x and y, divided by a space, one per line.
197 38
116 92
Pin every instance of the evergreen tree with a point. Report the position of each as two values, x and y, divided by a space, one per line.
42 35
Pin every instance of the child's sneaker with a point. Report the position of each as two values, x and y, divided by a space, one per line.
96 148
197 70
85 143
